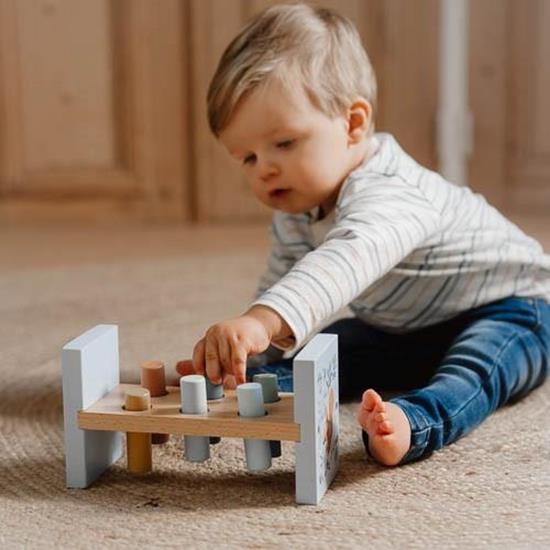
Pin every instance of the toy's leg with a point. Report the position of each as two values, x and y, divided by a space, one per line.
251 404
270 392
138 445
194 401
316 410
90 371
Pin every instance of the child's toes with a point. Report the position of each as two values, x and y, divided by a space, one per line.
370 400
380 417
385 427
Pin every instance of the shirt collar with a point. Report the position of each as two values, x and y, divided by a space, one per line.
315 214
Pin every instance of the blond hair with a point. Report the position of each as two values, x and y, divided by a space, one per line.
317 47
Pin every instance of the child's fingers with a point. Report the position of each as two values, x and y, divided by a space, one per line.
224 355
212 360
198 357
229 382
238 363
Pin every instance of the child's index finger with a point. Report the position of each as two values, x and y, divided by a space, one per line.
212 361
198 358
238 363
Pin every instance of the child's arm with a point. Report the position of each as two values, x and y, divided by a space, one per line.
226 345
380 220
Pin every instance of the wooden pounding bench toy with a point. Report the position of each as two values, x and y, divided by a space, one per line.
98 410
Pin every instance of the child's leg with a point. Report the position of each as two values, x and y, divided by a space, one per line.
501 355
370 357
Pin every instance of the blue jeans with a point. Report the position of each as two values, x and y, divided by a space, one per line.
453 374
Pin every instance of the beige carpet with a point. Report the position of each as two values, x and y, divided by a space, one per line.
163 287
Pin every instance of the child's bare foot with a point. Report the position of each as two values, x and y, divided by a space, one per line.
186 367
388 428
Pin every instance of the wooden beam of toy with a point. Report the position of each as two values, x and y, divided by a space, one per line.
221 419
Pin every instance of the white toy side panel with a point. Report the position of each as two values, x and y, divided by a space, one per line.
316 409
90 369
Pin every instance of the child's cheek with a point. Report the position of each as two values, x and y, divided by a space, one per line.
311 166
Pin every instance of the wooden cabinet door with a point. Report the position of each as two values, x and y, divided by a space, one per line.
528 127
510 87
93 111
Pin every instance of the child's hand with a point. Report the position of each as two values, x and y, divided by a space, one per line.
226 346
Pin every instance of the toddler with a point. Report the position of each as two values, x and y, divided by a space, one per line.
450 299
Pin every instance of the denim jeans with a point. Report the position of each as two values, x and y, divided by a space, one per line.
451 375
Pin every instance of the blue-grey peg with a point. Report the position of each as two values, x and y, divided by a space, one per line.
193 401
251 404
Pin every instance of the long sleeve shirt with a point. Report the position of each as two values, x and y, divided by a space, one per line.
403 248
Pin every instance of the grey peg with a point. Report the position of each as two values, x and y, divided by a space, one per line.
257 451
270 391
270 388
275 447
214 392
193 401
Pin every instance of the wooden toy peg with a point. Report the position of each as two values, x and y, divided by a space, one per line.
251 404
154 379
138 445
193 401
270 392
213 393
270 388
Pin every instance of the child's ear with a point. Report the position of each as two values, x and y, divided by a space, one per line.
359 120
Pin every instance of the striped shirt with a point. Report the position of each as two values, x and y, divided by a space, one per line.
403 248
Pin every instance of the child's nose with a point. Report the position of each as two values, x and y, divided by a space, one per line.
267 170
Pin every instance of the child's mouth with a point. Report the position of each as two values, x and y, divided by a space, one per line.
278 193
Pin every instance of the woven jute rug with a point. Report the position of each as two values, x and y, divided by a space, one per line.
163 288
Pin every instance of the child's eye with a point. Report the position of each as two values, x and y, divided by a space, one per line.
285 144
249 159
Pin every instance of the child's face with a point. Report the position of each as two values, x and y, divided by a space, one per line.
294 156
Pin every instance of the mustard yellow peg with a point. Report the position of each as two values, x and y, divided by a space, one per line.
138 445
